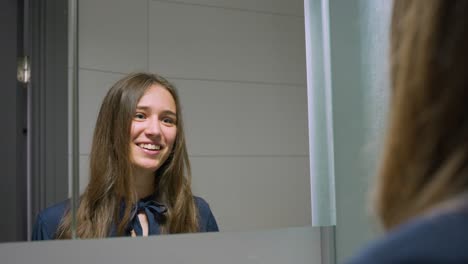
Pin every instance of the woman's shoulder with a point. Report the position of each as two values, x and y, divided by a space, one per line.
202 204
207 221
48 220
437 239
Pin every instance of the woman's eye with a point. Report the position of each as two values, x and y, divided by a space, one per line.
139 116
168 120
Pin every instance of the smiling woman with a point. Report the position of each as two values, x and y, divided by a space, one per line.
139 170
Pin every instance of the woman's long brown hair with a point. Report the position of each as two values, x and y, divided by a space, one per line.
111 178
425 159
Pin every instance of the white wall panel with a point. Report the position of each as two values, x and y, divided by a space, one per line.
288 7
229 118
248 193
198 42
113 35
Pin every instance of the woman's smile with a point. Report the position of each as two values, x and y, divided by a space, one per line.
150 149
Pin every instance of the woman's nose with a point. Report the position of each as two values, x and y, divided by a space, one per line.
153 127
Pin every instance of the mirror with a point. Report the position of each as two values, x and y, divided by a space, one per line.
239 67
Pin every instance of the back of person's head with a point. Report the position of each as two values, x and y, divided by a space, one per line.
425 159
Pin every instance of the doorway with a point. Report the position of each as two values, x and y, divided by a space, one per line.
34 136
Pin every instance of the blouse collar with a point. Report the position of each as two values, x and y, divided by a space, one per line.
155 213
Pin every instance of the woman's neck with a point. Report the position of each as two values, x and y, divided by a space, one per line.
144 183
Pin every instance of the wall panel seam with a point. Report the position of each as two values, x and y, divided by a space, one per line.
234 156
203 79
231 8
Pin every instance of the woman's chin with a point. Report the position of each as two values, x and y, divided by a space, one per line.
146 168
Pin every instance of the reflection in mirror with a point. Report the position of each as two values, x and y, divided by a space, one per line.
34 153
139 170
240 72
239 69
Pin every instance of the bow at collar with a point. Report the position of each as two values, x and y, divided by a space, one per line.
155 213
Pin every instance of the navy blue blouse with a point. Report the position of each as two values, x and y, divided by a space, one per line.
437 239
49 219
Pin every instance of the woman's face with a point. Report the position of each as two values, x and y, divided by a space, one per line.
153 129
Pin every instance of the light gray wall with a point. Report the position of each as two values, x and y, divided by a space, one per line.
291 245
359 43
240 70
